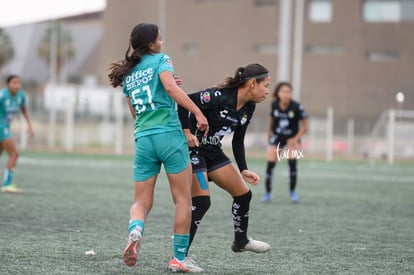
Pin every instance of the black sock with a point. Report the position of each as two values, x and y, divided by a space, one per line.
240 211
269 175
293 174
199 207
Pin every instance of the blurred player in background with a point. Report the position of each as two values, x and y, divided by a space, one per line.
228 108
12 98
146 76
288 122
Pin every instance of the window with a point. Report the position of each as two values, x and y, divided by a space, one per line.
380 56
324 49
320 11
265 3
388 10
266 49
190 48
407 10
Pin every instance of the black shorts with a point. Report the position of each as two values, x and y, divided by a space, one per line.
279 141
275 141
207 160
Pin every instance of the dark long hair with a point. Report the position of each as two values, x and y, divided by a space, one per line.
243 74
11 77
278 87
141 36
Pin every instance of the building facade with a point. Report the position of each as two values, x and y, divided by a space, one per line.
356 54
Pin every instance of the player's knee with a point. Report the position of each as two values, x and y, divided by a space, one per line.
243 199
201 204
14 154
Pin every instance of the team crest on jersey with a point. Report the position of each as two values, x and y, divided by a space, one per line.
205 97
291 114
244 119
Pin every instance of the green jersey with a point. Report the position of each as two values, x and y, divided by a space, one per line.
10 105
154 108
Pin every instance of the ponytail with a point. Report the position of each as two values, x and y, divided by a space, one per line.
243 74
141 36
121 68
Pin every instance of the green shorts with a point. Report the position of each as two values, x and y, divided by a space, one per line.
4 132
169 149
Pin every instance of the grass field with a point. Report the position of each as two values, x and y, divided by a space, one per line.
352 218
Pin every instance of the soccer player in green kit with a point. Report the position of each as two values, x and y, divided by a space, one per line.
147 78
12 98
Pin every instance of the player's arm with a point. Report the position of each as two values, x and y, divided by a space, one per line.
131 108
302 129
270 128
240 155
293 142
28 120
184 116
270 125
182 99
184 113
303 125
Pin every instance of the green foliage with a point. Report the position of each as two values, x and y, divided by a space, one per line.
64 47
6 48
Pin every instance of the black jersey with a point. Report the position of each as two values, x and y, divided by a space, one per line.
285 123
219 107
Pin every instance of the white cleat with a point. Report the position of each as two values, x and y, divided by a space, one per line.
187 266
253 246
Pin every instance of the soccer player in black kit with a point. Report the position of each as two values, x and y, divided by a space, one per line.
288 122
228 108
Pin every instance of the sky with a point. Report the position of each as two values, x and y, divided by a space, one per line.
16 12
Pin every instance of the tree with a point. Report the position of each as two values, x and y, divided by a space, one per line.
64 50
6 48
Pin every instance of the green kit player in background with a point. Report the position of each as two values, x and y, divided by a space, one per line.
147 78
12 98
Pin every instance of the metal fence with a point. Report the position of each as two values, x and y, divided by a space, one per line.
91 118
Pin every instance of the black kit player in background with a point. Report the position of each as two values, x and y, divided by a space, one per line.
288 122
228 108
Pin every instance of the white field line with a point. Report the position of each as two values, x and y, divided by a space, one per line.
93 163
361 173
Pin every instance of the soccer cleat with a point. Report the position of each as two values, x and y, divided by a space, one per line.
253 246
293 197
132 249
187 266
266 197
12 188
190 261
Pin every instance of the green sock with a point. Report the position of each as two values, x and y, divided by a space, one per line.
181 242
8 177
134 224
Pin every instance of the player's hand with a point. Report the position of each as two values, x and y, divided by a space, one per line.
192 140
292 143
202 123
178 80
250 177
30 131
